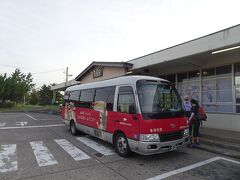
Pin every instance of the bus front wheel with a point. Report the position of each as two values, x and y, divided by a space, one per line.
73 128
121 145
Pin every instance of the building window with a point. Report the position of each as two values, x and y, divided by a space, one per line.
188 84
217 89
209 87
237 86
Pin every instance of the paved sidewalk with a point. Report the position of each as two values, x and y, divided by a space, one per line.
219 141
220 134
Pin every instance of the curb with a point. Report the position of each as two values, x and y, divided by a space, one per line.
220 151
215 137
221 144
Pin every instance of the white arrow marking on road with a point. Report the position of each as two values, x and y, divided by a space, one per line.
42 154
21 123
73 151
8 158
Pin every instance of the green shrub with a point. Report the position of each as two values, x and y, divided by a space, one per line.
6 105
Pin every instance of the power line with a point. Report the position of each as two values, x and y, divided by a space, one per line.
11 66
48 71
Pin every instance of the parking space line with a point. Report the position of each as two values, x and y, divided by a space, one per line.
96 146
8 158
42 154
26 127
73 151
230 160
49 119
187 168
31 117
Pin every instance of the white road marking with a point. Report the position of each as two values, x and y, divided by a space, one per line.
31 117
187 168
230 160
2 124
21 123
96 146
73 151
25 127
42 154
49 119
8 158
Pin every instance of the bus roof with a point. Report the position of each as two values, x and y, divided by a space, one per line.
122 80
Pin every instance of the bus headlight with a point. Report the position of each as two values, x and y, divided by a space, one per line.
149 137
186 132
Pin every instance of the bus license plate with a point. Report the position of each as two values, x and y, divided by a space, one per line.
172 148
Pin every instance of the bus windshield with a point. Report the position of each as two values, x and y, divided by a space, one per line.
159 99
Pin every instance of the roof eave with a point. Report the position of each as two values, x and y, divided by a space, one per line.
109 64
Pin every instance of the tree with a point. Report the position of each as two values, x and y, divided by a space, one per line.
46 95
3 85
20 84
15 87
34 97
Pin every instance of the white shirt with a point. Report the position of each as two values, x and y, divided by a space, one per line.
187 105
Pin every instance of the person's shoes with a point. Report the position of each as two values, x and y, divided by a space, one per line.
198 143
191 145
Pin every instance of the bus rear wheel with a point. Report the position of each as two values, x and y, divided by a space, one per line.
121 145
73 128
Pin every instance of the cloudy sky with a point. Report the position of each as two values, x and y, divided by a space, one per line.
46 36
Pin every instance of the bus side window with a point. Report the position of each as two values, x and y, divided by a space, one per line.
86 98
65 98
105 95
126 102
74 97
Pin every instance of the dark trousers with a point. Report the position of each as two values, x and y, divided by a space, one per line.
194 128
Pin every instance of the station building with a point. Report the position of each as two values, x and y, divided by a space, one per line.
206 68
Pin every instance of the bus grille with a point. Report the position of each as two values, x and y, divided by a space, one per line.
171 136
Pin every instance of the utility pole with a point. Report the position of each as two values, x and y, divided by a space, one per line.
67 75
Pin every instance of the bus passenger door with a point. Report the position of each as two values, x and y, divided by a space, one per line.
126 119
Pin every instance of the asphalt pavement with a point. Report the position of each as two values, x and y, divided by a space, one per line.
39 146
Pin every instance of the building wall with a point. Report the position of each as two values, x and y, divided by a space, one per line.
218 92
223 121
108 72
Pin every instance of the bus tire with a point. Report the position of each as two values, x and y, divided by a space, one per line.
73 128
121 145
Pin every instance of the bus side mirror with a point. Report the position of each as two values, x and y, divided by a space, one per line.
132 109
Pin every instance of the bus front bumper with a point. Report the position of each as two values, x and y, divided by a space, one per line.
149 148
